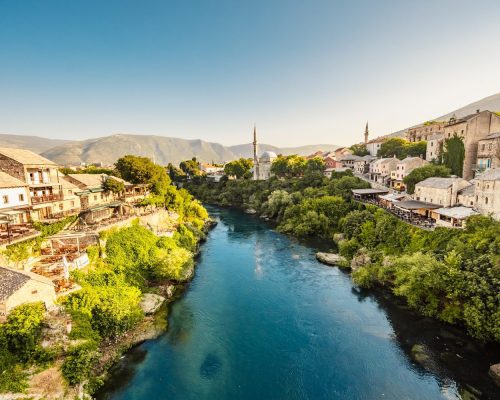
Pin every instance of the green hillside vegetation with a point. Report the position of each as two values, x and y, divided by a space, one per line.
450 274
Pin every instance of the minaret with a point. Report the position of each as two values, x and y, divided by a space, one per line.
255 156
366 133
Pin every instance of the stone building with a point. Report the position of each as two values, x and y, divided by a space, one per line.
380 170
442 191
487 192
424 131
41 175
472 129
348 160
96 203
362 166
70 202
18 288
403 168
14 199
488 152
434 147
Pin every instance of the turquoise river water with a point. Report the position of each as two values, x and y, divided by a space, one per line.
262 319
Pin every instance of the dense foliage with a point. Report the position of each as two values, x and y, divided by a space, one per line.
19 345
135 169
359 149
113 185
454 154
449 274
402 148
422 173
238 168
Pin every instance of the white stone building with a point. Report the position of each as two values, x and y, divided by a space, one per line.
442 191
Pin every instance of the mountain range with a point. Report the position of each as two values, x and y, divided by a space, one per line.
168 149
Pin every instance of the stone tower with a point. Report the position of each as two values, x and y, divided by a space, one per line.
255 155
366 133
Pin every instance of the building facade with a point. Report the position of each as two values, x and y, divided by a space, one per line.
441 191
403 168
488 153
18 288
41 176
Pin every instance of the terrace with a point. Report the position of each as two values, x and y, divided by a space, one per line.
416 213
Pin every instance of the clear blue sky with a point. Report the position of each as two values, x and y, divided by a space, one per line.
305 71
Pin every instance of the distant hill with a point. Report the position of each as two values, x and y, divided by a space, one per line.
33 143
163 149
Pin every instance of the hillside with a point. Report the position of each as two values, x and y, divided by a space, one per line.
33 143
163 149
491 103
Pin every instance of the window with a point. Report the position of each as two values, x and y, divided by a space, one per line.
431 153
21 197
5 199
95 197
34 291
483 146
471 203
72 204
70 191
61 207
485 200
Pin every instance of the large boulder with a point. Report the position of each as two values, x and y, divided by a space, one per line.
251 211
361 259
494 372
150 303
330 258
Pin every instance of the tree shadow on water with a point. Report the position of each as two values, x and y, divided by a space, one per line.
440 349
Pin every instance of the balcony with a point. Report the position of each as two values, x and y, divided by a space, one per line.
46 198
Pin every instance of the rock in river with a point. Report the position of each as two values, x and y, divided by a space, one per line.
495 373
329 258
150 303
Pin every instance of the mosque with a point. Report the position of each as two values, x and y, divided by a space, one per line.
262 165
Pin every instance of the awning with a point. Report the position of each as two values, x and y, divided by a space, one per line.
416 205
456 212
362 192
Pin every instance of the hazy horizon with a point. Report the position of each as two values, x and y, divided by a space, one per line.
305 73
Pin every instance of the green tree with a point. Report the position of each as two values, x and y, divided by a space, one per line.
190 167
359 149
422 173
23 329
238 168
454 154
113 185
137 169
416 149
393 147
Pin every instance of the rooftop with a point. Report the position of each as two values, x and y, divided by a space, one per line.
7 181
438 183
416 205
369 191
492 174
459 212
25 157
94 180
493 136
10 282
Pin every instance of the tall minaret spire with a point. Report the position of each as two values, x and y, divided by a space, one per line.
255 156
366 133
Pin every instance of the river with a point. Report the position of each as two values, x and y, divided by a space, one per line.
262 319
